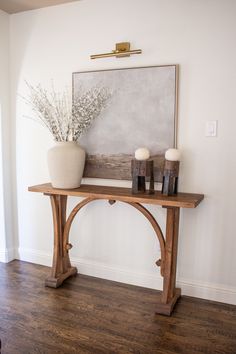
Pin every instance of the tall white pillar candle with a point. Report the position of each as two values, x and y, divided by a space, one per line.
142 154
172 155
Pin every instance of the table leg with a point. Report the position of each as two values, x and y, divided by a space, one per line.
61 266
170 293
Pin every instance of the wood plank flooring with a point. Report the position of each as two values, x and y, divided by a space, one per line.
91 315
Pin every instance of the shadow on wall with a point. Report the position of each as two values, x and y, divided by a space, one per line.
2 214
18 50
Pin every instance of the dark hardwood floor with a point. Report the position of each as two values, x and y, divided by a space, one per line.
91 315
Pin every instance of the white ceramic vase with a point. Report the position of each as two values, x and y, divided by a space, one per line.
66 164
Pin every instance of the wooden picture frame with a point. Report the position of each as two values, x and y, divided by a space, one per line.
142 112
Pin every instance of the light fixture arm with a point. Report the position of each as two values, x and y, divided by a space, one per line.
122 50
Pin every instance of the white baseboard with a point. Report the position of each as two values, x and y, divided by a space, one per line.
3 255
208 291
105 271
34 256
7 255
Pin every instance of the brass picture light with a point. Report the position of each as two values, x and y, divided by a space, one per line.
122 50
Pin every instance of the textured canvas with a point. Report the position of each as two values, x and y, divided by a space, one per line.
141 113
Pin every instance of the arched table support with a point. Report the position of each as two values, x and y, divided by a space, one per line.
61 267
142 209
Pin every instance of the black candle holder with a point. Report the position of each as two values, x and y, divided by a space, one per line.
170 178
142 172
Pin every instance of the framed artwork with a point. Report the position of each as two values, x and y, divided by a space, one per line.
142 112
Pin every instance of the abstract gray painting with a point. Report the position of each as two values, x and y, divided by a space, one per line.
141 113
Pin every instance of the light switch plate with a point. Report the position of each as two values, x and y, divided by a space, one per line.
211 128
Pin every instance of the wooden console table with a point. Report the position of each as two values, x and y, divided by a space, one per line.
61 267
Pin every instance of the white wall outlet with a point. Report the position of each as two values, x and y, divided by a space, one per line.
211 128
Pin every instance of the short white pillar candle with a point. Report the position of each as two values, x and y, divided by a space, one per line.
172 155
142 154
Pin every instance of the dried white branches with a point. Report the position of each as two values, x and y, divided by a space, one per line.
65 121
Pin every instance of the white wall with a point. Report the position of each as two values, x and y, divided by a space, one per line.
6 220
116 242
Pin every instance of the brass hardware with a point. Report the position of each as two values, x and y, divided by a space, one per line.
68 246
122 50
111 201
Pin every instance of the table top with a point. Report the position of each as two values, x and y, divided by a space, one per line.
181 200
